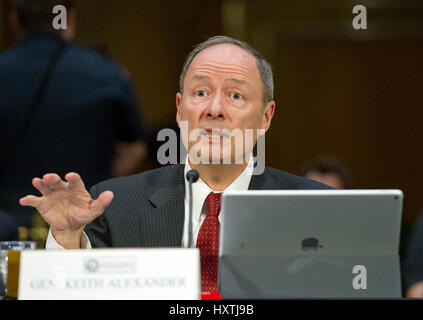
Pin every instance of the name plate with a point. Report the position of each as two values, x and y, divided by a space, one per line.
99 274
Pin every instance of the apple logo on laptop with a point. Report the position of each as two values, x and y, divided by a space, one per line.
311 244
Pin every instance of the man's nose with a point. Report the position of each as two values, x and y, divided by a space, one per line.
215 108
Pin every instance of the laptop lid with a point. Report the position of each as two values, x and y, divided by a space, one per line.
310 240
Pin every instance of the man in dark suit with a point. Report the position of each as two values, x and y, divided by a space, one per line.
225 86
87 113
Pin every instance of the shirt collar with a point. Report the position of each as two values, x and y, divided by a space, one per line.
201 190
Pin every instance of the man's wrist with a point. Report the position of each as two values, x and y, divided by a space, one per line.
69 239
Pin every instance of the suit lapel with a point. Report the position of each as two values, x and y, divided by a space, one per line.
162 225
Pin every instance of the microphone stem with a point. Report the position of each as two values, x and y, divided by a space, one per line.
190 215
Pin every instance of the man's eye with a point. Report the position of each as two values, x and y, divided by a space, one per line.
236 96
201 93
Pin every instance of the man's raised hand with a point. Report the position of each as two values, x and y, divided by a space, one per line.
66 206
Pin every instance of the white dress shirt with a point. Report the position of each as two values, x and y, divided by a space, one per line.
200 192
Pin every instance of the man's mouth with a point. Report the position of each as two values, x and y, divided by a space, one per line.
215 133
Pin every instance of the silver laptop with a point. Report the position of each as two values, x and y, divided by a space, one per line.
310 244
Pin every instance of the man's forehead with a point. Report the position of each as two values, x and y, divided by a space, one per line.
226 56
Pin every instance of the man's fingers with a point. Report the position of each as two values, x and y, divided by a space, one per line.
105 198
53 181
74 180
39 185
30 201
102 201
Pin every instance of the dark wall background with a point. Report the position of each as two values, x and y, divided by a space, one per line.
354 94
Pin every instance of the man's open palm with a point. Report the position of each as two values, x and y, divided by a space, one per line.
66 205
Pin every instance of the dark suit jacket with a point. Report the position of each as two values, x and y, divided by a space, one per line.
148 208
88 105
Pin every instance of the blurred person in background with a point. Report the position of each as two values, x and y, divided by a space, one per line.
412 267
327 170
8 227
62 108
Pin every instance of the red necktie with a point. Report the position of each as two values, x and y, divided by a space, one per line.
208 243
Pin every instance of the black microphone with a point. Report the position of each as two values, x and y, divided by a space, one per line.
192 176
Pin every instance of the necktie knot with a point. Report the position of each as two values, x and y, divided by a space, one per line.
213 204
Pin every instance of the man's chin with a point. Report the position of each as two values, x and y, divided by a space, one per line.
218 160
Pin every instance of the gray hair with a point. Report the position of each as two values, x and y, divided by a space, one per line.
263 66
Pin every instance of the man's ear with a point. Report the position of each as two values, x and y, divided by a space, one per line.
178 108
268 112
69 33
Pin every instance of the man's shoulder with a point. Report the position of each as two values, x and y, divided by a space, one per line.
87 59
172 175
285 180
76 59
150 179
